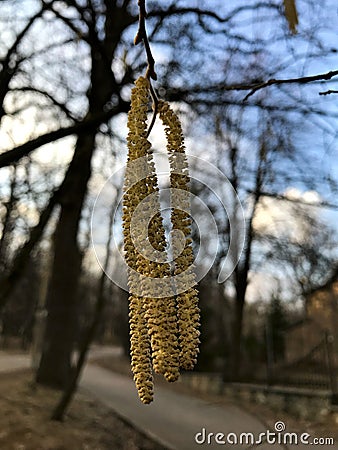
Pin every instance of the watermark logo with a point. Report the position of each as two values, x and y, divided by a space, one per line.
213 205
280 426
278 436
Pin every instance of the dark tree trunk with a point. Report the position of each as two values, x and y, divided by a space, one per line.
65 400
242 272
55 365
237 331
61 328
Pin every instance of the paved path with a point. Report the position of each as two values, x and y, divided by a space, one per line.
176 418
11 363
172 419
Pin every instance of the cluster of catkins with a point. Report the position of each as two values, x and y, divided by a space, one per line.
163 301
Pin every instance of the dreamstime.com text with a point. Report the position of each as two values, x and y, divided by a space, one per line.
278 437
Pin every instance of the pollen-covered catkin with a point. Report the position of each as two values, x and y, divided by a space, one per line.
140 350
159 297
187 296
152 316
163 310
139 338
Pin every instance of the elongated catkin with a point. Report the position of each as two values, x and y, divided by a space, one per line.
163 312
187 296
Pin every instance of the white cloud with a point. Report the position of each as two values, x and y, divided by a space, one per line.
283 218
56 153
311 197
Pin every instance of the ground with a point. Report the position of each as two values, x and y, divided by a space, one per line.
320 426
25 425
26 409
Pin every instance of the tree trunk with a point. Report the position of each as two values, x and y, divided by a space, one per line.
242 270
55 365
237 333
61 304
68 393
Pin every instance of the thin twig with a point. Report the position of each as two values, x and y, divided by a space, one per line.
282 197
301 80
141 36
331 91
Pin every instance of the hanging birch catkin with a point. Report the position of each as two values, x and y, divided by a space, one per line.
187 296
139 338
163 326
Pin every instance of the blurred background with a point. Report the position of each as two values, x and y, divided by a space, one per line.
67 69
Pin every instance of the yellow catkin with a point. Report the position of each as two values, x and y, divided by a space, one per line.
140 349
159 301
153 321
163 326
187 297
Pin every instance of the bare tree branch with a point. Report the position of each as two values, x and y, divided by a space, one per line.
12 156
187 96
330 91
301 80
8 282
8 70
296 200
67 21
20 36
254 87
173 10
46 94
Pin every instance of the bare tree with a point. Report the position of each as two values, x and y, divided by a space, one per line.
72 63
